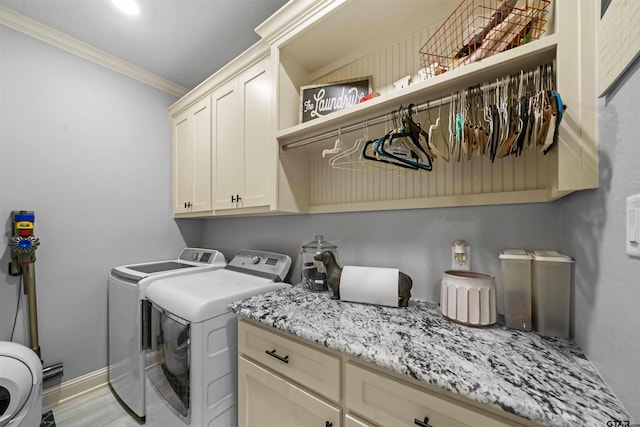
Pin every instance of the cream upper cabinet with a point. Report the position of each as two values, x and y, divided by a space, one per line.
228 149
225 154
243 146
192 159
265 160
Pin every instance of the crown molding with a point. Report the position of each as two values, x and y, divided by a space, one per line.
291 15
40 31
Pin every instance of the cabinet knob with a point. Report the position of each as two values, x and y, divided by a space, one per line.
424 423
187 205
328 424
236 198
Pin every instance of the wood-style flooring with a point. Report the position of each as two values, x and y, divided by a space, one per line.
97 408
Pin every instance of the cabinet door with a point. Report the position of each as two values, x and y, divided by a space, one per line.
192 159
228 147
255 92
265 399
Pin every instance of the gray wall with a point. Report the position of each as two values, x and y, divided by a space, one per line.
416 241
607 281
89 151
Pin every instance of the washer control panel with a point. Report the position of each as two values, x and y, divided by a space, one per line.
203 256
261 263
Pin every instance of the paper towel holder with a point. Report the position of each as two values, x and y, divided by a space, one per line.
334 272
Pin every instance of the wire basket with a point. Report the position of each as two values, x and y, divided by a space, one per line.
478 29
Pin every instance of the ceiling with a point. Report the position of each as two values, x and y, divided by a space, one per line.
183 41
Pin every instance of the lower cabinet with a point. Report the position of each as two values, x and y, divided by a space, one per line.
394 404
351 421
286 381
316 370
266 399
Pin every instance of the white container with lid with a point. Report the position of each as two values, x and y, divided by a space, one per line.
516 288
551 293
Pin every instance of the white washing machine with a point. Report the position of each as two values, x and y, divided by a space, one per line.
191 358
20 386
127 286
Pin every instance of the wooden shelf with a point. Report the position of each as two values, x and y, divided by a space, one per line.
510 197
524 57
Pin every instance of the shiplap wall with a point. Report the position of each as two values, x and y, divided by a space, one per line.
476 176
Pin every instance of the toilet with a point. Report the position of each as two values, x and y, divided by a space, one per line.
20 386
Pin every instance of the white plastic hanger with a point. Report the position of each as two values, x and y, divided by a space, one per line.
338 147
436 137
350 159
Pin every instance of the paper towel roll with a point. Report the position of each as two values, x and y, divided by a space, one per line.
370 285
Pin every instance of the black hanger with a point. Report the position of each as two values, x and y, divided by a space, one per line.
398 134
415 131
376 159
400 116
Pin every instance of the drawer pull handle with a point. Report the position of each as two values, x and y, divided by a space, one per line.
273 353
424 423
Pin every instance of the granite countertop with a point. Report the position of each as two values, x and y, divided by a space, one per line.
546 380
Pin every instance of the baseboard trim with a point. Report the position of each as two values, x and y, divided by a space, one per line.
57 394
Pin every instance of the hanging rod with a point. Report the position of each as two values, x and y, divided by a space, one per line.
381 119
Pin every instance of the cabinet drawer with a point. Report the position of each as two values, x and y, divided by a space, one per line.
317 370
265 399
391 402
351 421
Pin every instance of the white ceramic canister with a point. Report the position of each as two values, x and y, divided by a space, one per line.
468 297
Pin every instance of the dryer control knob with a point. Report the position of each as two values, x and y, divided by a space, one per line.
255 259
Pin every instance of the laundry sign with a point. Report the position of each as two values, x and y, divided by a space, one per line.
320 100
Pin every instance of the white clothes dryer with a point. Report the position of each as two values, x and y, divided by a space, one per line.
20 386
191 357
126 288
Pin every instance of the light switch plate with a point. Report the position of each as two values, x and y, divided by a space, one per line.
633 226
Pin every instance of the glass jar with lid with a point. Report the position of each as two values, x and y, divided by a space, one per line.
314 275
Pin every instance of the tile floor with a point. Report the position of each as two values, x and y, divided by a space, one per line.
97 408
